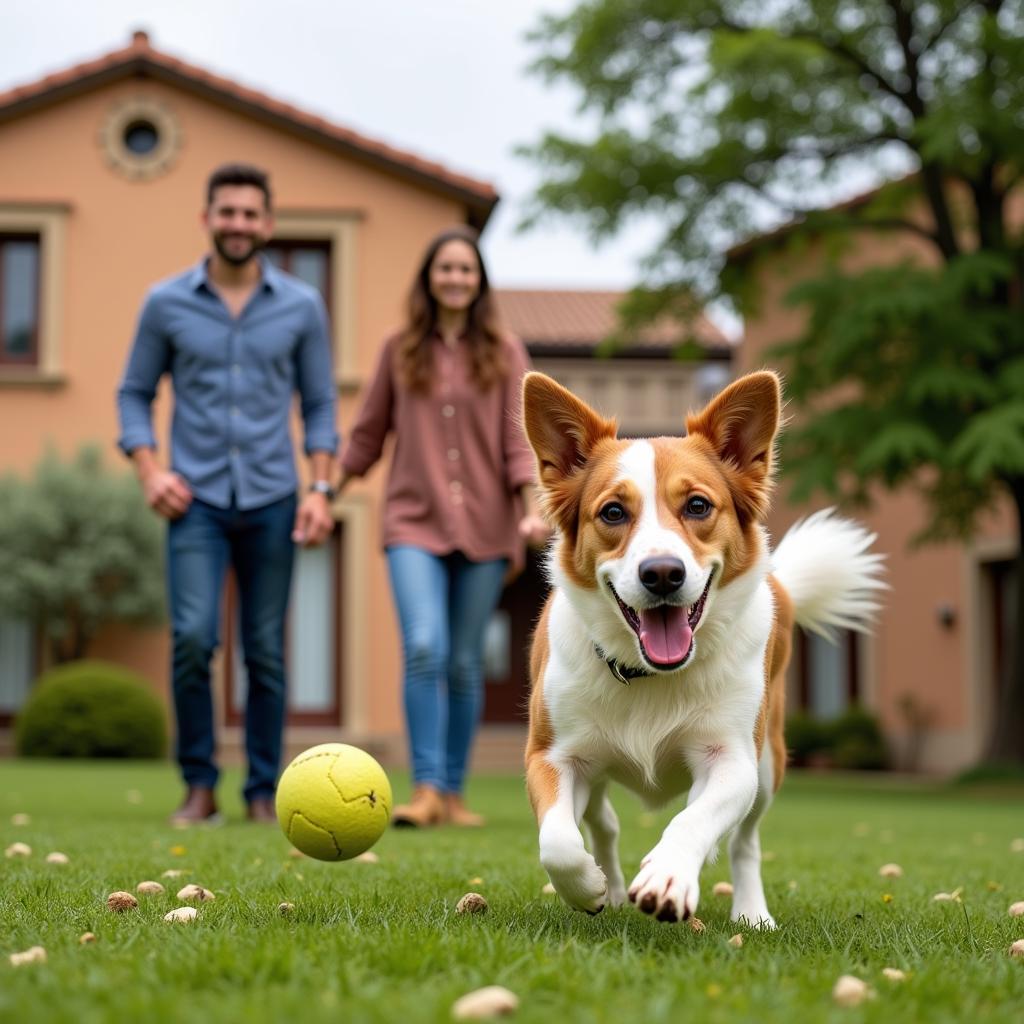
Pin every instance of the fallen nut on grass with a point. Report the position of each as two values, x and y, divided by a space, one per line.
20 819
471 903
548 890
894 974
86 938
368 857
174 873
35 955
850 991
1017 909
697 925
121 901
485 1002
195 892
18 850
736 941
181 915
57 858
149 888
946 897
891 871
1017 948
1017 846
721 889
285 908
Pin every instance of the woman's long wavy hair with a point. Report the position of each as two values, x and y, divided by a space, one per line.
414 355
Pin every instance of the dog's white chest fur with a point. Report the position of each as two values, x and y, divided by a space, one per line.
639 733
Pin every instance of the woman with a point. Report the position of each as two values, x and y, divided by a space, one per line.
447 385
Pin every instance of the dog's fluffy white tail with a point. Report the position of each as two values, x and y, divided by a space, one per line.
825 564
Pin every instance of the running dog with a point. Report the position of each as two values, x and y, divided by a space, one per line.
659 660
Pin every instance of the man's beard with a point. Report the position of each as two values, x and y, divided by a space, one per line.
235 260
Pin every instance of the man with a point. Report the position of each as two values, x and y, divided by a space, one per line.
238 338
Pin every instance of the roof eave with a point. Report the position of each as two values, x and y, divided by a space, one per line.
142 65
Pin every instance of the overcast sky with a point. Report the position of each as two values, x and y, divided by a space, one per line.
445 79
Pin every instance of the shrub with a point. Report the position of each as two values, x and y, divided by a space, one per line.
857 741
806 737
91 709
852 741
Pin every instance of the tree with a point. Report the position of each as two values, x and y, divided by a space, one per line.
725 119
78 549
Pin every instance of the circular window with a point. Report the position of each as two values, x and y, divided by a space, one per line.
140 138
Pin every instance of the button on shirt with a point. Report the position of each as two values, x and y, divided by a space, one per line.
234 382
459 456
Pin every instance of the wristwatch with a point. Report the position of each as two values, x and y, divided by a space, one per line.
323 487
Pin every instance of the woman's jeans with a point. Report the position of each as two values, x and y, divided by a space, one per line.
444 604
257 544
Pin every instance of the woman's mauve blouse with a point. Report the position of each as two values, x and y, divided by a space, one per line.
459 458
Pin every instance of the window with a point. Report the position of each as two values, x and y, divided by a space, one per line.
1003 596
19 299
312 640
310 261
320 248
828 673
507 644
32 258
140 137
17 665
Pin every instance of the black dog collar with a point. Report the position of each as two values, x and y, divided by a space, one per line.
624 673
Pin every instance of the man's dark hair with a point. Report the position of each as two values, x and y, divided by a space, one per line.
238 174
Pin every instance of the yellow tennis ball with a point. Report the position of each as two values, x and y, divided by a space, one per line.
333 801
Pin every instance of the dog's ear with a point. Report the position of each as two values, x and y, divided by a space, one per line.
561 429
741 424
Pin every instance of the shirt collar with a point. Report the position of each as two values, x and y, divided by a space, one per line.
270 276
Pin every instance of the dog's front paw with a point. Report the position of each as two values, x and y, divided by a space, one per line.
753 914
663 889
577 879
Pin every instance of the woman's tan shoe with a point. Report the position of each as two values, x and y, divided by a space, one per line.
425 808
457 813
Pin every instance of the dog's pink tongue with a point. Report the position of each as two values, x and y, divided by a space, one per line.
665 634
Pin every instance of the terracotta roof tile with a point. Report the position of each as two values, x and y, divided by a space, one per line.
141 56
582 319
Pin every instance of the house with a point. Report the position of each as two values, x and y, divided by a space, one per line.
933 669
102 170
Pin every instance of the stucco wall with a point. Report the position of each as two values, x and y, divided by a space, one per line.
912 653
122 235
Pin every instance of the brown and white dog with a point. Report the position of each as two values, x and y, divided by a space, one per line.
659 659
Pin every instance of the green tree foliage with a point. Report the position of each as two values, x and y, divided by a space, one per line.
78 549
722 119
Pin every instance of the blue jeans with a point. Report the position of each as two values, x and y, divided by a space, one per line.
257 543
444 603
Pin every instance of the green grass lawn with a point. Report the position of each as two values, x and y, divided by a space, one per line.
382 942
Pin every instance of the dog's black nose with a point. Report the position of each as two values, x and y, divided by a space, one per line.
662 575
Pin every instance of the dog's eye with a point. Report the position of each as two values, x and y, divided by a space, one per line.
698 507
613 513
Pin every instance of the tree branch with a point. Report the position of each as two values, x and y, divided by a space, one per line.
931 175
839 48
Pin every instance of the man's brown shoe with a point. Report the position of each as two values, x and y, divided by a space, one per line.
262 809
425 808
198 808
457 813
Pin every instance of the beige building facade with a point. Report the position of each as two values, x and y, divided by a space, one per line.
102 169
933 668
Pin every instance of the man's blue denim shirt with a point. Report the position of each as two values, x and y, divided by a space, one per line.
233 381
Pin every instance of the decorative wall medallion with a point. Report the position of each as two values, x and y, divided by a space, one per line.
140 137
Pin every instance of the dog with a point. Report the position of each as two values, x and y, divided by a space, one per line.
659 659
